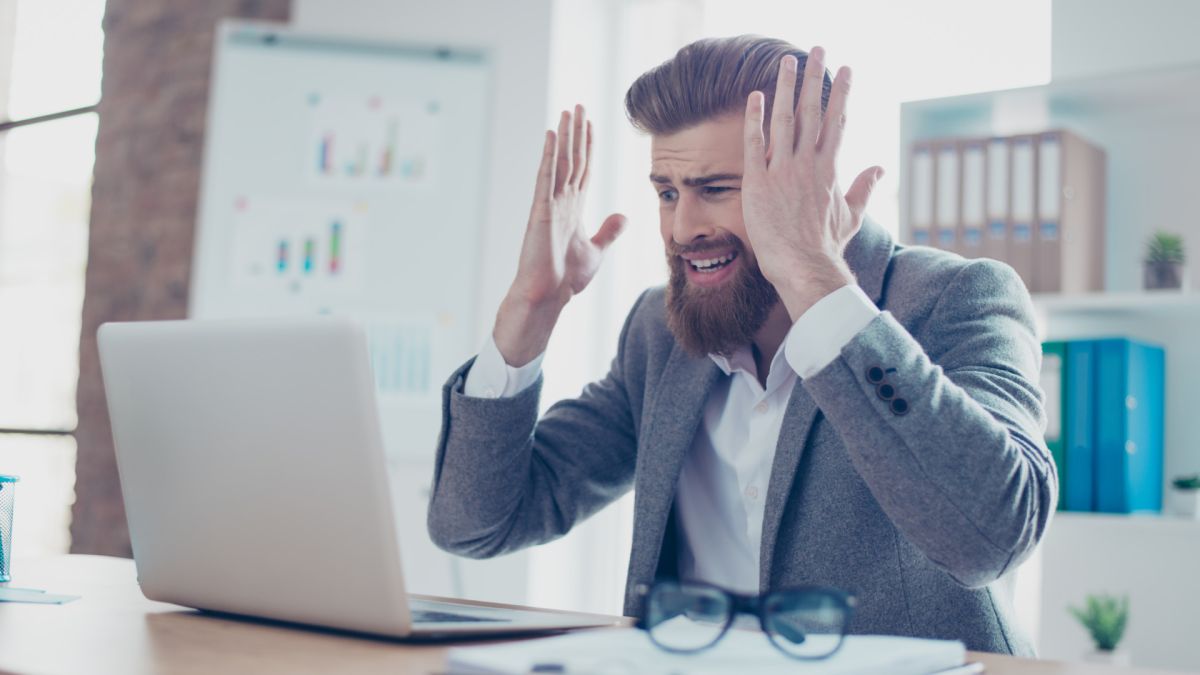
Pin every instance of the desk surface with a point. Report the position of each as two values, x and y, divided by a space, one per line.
114 629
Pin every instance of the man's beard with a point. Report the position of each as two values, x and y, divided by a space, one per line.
721 319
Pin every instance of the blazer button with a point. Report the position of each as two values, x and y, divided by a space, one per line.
886 391
899 406
874 374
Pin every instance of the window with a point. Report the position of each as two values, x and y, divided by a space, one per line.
50 55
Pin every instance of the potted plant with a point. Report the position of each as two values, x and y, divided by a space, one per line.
1104 618
1164 261
1185 496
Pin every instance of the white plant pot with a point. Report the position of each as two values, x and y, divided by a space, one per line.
1118 657
1185 503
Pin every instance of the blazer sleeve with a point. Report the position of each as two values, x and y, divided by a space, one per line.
505 480
955 456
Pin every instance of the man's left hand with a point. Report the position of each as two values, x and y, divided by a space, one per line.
797 218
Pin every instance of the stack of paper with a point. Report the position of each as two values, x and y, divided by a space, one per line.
626 650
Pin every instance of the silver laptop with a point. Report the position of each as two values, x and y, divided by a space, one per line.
255 480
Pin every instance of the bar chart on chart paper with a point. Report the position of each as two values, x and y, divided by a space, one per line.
298 248
371 140
402 357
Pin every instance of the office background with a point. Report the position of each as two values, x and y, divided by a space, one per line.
91 236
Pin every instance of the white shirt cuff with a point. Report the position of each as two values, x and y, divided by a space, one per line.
818 336
492 377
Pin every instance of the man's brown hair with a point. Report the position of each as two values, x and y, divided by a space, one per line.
710 78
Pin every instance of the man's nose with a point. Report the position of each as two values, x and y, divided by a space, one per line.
691 221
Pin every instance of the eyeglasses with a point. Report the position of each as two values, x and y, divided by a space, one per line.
685 617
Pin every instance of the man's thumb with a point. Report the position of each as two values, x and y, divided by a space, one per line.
860 190
609 231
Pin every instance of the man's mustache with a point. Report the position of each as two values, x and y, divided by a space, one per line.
722 244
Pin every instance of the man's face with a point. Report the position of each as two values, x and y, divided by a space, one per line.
717 298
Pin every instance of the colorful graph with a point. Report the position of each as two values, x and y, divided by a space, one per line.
372 141
297 246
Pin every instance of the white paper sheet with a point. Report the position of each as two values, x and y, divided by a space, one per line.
626 650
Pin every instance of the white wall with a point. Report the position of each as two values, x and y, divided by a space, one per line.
1094 37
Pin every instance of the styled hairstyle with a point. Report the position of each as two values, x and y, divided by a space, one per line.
710 78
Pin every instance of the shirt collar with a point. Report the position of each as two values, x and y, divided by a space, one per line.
743 359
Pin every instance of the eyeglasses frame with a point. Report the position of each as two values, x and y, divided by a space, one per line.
754 605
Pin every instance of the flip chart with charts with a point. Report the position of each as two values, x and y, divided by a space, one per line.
346 176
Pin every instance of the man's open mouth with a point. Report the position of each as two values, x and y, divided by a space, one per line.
712 264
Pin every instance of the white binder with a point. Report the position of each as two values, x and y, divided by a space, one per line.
946 215
974 212
921 198
995 240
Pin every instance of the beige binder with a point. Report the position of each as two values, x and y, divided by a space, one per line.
999 170
1069 236
920 203
1022 204
971 224
947 189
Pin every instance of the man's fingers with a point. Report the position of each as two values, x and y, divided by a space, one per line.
544 189
808 108
612 228
755 158
578 146
860 191
783 116
587 165
563 172
835 120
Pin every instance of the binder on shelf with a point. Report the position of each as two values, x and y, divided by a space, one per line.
1129 426
920 220
947 188
1023 191
995 240
1069 232
1079 450
973 208
1053 381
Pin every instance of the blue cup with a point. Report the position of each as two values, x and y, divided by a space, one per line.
7 488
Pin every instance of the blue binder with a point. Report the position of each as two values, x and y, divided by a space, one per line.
1129 426
1079 413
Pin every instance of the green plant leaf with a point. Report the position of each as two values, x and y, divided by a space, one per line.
1104 617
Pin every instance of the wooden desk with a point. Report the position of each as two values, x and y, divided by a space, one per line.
114 629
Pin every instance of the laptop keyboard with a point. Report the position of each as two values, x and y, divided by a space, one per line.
430 616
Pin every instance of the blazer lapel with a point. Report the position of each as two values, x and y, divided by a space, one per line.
868 255
670 428
798 421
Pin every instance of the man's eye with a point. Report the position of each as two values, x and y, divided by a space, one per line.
713 190
668 195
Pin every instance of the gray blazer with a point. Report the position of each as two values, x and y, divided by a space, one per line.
921 508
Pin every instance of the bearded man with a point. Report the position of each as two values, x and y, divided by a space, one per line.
806 403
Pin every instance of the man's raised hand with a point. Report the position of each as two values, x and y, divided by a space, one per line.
797 218
558 257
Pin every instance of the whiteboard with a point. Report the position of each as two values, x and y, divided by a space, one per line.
346 176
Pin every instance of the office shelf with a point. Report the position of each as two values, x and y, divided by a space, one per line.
1132 302
1146 121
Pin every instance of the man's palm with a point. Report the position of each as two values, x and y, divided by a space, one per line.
558 259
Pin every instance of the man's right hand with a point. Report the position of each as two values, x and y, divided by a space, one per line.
558 258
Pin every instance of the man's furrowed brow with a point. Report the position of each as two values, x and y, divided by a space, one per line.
697 181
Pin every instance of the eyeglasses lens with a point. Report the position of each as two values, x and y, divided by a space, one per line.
806 624
685 618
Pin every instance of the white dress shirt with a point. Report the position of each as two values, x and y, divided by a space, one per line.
722 488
